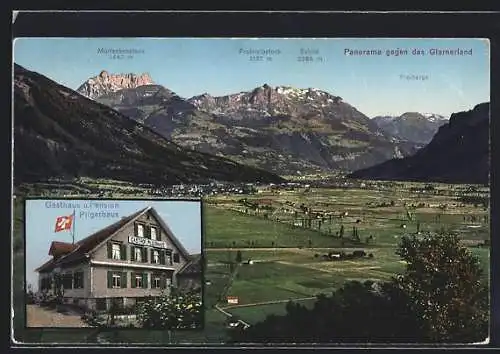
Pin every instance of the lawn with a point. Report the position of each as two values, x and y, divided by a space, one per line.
254 314
230 228
227 228
218 277
272 281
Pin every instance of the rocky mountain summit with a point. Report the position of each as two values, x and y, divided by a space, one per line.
105 83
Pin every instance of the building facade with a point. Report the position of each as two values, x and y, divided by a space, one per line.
134 258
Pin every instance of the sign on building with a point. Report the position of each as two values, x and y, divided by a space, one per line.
142 241
232 300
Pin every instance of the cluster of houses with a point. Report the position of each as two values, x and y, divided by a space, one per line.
200 190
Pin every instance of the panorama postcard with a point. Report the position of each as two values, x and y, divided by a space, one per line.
217 191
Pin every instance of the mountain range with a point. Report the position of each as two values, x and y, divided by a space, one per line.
281 129
60 133
124 126
458 153
415 127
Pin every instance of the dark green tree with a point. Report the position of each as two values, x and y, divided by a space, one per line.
445 282
341 235
239 257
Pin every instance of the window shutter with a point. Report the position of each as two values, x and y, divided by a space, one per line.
176 257
158 234
110 279
135 229
124 279
145 255
123 252
147 231
132 279
151 255
162 257
110 250
132 253
163 282
145 280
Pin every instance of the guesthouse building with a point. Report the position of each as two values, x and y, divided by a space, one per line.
127 261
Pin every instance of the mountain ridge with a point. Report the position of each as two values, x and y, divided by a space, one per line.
458 153
415 127
60 133
281 129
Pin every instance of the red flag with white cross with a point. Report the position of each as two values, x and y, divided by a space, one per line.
64 223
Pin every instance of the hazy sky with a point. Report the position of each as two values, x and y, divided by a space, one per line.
182 217
372 84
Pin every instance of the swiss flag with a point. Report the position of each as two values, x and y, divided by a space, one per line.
63 223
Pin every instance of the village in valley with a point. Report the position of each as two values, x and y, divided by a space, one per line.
267 244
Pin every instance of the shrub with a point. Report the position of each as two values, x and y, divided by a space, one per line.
174 311
93 319
359 254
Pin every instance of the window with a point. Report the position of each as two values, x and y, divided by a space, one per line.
100 304
156 257
45 284
67 281
153 233
156 283
117 302
168 259
139 280
117 281
176 258
78 280
140 230
138 254
116 254
117 250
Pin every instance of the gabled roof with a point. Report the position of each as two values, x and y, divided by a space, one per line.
47 266
170 234
59 248
193 266
91 242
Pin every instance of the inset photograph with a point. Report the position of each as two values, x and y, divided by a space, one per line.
114 263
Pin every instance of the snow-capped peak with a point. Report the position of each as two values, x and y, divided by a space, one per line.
433 117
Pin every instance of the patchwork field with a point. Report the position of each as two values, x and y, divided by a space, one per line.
286 233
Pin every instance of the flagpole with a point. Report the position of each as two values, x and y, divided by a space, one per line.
74 220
